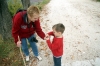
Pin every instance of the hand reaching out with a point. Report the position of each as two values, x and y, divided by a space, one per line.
47 37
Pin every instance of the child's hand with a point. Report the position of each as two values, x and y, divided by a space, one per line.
46 37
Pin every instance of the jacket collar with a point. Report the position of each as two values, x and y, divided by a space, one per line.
25 18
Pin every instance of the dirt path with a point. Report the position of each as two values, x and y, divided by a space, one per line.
82 35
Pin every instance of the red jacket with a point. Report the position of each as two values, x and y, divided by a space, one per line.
23 29
56 46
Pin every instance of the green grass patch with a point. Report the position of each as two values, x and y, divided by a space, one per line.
40 5
9 54
98 0
14 5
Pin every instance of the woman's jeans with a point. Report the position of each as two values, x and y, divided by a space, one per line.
32 44
57 61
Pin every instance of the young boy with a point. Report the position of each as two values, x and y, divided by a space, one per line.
56 46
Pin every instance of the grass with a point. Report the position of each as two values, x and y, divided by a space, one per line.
14 5
41 5
9 54
98 0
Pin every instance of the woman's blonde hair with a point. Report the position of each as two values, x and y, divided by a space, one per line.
31 10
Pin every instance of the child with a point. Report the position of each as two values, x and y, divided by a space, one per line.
56 46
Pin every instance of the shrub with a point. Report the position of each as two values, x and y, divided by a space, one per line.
13 6
41 4
98 0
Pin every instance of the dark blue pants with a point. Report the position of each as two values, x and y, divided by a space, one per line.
57 61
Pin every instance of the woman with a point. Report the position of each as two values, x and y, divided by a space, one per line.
25 24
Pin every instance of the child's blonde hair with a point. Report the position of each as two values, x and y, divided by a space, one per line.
59 27
31 10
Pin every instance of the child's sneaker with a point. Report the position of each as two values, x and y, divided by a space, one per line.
39 58
27 58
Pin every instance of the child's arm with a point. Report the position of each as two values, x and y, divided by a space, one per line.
54 45
50 33
47 36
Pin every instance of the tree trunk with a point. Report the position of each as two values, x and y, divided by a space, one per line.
25 3
5 20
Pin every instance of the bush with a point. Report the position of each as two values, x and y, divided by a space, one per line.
13 6
41 4
98 0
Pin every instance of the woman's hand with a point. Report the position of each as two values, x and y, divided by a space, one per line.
19 44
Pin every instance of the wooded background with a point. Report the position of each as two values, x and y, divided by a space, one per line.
6 18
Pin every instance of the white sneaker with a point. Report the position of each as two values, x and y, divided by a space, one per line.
39 58
27 58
